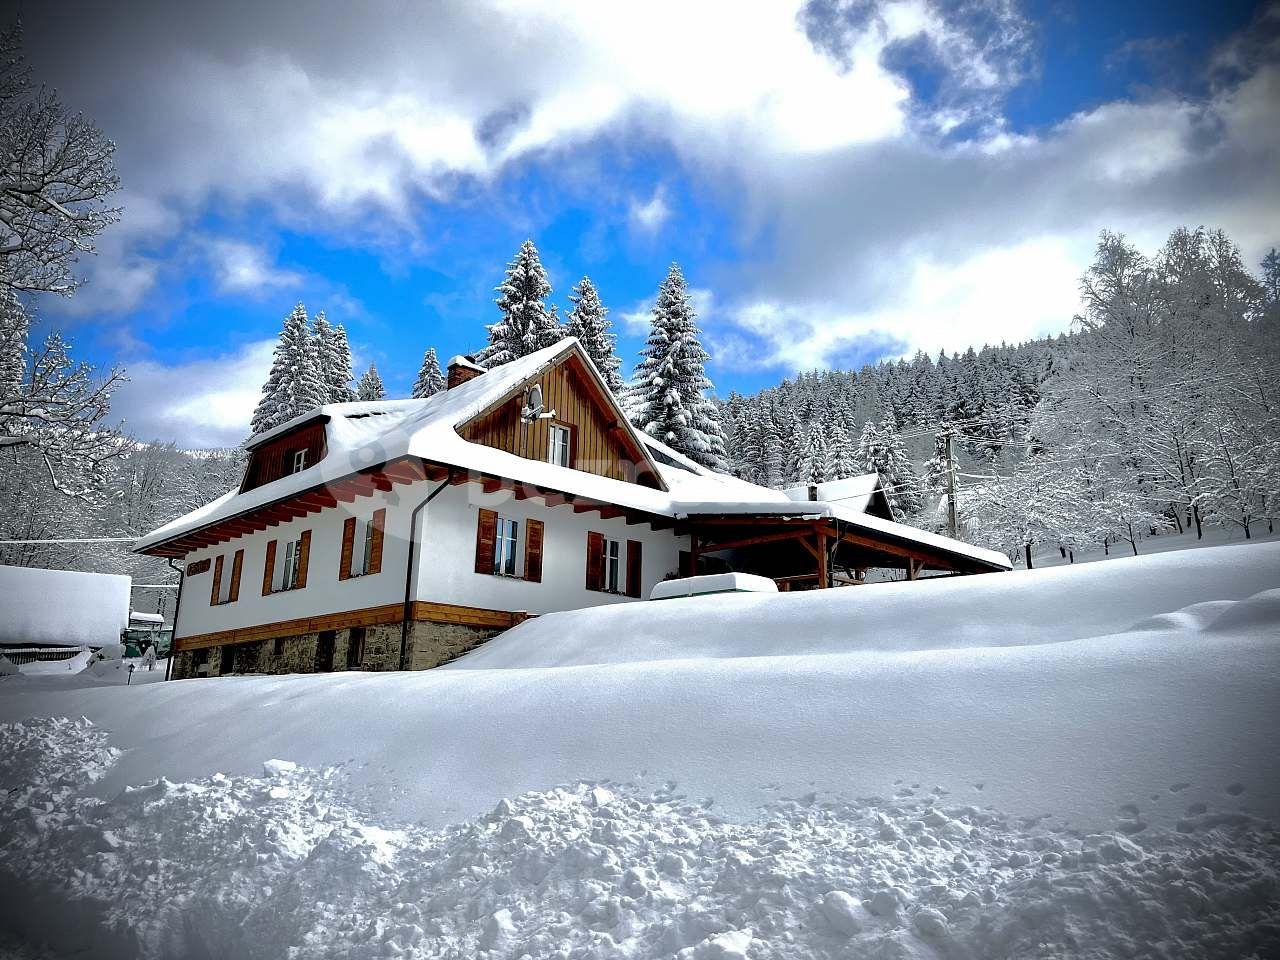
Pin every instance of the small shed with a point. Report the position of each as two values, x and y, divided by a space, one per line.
61 608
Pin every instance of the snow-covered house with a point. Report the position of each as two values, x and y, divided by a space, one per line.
400 533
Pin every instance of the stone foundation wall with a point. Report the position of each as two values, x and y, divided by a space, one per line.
430 645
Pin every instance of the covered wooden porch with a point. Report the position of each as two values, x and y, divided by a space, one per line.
802 553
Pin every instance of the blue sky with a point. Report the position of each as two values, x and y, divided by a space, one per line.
841 182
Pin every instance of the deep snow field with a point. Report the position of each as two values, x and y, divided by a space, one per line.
1073 762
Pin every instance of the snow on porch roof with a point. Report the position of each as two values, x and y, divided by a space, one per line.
853 492
868 523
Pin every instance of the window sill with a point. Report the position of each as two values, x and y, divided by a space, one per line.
222 603
284 590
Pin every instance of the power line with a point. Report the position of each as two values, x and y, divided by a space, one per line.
78 540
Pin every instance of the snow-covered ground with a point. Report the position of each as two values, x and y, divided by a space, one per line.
1212 536
1069 762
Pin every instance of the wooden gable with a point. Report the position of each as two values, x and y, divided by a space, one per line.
273 459
599 441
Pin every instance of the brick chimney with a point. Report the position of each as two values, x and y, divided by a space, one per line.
461 369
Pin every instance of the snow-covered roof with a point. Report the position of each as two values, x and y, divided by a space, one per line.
461 360
62 608
364 434
852 492
137 616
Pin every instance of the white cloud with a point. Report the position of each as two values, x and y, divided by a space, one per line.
241 267
860 222
649 216
1009 295
201 403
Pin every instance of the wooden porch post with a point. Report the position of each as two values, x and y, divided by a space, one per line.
693 553
823 579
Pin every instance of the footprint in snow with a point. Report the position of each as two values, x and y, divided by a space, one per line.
1129 810
1236 789
1179 787
979 785
1196 809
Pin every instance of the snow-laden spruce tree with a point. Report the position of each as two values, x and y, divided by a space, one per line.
669 384
881 451
527 324
294 384
589 322
842 459
334 353
370 387
430 380
812 463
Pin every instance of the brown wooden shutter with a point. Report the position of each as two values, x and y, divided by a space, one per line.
237 564
375 553
348 543
595 560
634 548
269 568
217 582
573 446
533 550
304 558
486 539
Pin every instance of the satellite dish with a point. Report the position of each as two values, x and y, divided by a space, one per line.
532 409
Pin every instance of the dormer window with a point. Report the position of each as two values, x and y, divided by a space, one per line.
558 442
299 461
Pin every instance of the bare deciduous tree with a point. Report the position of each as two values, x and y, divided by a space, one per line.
57 172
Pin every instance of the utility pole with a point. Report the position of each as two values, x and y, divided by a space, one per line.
952 525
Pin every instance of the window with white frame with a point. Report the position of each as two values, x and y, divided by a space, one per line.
299 461
506 553
289 569
558 441
612 566
362 549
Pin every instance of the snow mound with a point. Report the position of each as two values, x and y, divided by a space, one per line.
1262 610
289 863
7 668
1022 608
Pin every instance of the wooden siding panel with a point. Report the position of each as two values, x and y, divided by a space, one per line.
273 459
597 446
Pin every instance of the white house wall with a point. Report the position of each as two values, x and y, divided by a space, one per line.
446 572
324 592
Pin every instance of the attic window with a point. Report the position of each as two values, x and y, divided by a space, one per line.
669 461
299 461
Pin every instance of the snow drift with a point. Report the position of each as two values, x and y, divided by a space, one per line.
1078 762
